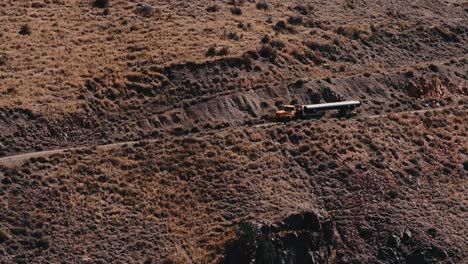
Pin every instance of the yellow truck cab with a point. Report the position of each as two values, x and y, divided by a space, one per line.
287 112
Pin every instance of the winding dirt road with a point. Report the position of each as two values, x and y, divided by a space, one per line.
17 159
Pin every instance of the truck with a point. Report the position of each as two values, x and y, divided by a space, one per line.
290 112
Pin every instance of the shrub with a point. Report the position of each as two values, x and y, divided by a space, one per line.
106 12
236 11
101 3
25 30
213 8
280 25
243 26
42 243
315 57
267 52
233 35
145 10
262 5
295 20
342 68
223 51
211 52
322 47
3 236
3 60
409 74
265 40
304 10
279 44
446 35
433 68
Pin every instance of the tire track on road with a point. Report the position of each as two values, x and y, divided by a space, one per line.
16 159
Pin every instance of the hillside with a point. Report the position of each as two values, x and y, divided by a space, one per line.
212 176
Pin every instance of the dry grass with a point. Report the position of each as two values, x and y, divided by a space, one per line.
83 75
48 76
180 199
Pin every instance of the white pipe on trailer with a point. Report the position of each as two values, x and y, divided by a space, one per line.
333 105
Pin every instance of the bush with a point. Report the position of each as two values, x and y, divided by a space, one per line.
265 40
243 26
262 5
3 60
223 51
267 52
106 12
280 25
233 35
3 236
145 10
25 30
433 68
279 44
304 10
211 52
101 3
42 243
295 20
213 8
236 11
322 47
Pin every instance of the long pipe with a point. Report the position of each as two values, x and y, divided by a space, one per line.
336 105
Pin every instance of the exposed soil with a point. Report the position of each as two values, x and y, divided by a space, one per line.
209 176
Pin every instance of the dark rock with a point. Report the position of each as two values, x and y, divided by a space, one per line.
407 235
3 236
394 241
432 232
42 243
389 255
366 231
300 238
437 253
305 221
417 258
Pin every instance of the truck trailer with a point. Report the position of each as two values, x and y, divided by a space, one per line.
290 112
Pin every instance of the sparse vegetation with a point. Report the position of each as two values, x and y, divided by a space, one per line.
25 30
191 96
232 35
101 3
433 68
145 10
211 52
213 8
265 40
262 5
278 44
280 25
295 20
3 60
223 51
303 9
268 52
236 11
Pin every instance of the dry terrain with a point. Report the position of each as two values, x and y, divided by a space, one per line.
150 133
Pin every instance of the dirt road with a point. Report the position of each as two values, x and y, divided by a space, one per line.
16 159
